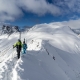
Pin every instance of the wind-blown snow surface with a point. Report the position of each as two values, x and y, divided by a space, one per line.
53 54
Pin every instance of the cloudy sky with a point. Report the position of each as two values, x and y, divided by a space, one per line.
31 12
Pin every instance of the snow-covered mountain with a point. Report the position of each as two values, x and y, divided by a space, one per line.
53 54
9 29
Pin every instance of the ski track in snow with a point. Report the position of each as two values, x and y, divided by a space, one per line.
7 59
6 70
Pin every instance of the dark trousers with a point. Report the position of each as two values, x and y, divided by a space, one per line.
18 53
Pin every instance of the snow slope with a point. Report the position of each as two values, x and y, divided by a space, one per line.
53 54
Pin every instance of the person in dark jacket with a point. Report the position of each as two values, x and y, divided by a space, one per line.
18 46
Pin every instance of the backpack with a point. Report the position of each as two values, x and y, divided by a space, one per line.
24 46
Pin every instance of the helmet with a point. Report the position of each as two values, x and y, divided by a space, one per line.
19 40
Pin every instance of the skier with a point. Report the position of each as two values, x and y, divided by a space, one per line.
18 46
24 47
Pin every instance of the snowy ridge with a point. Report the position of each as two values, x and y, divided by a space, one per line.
53 54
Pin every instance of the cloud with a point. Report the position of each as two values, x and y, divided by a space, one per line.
12 9
74 24
68 6
9 10
39 7
74 17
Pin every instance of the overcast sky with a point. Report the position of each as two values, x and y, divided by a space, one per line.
30 12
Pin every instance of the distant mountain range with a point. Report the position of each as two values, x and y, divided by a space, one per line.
9 29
